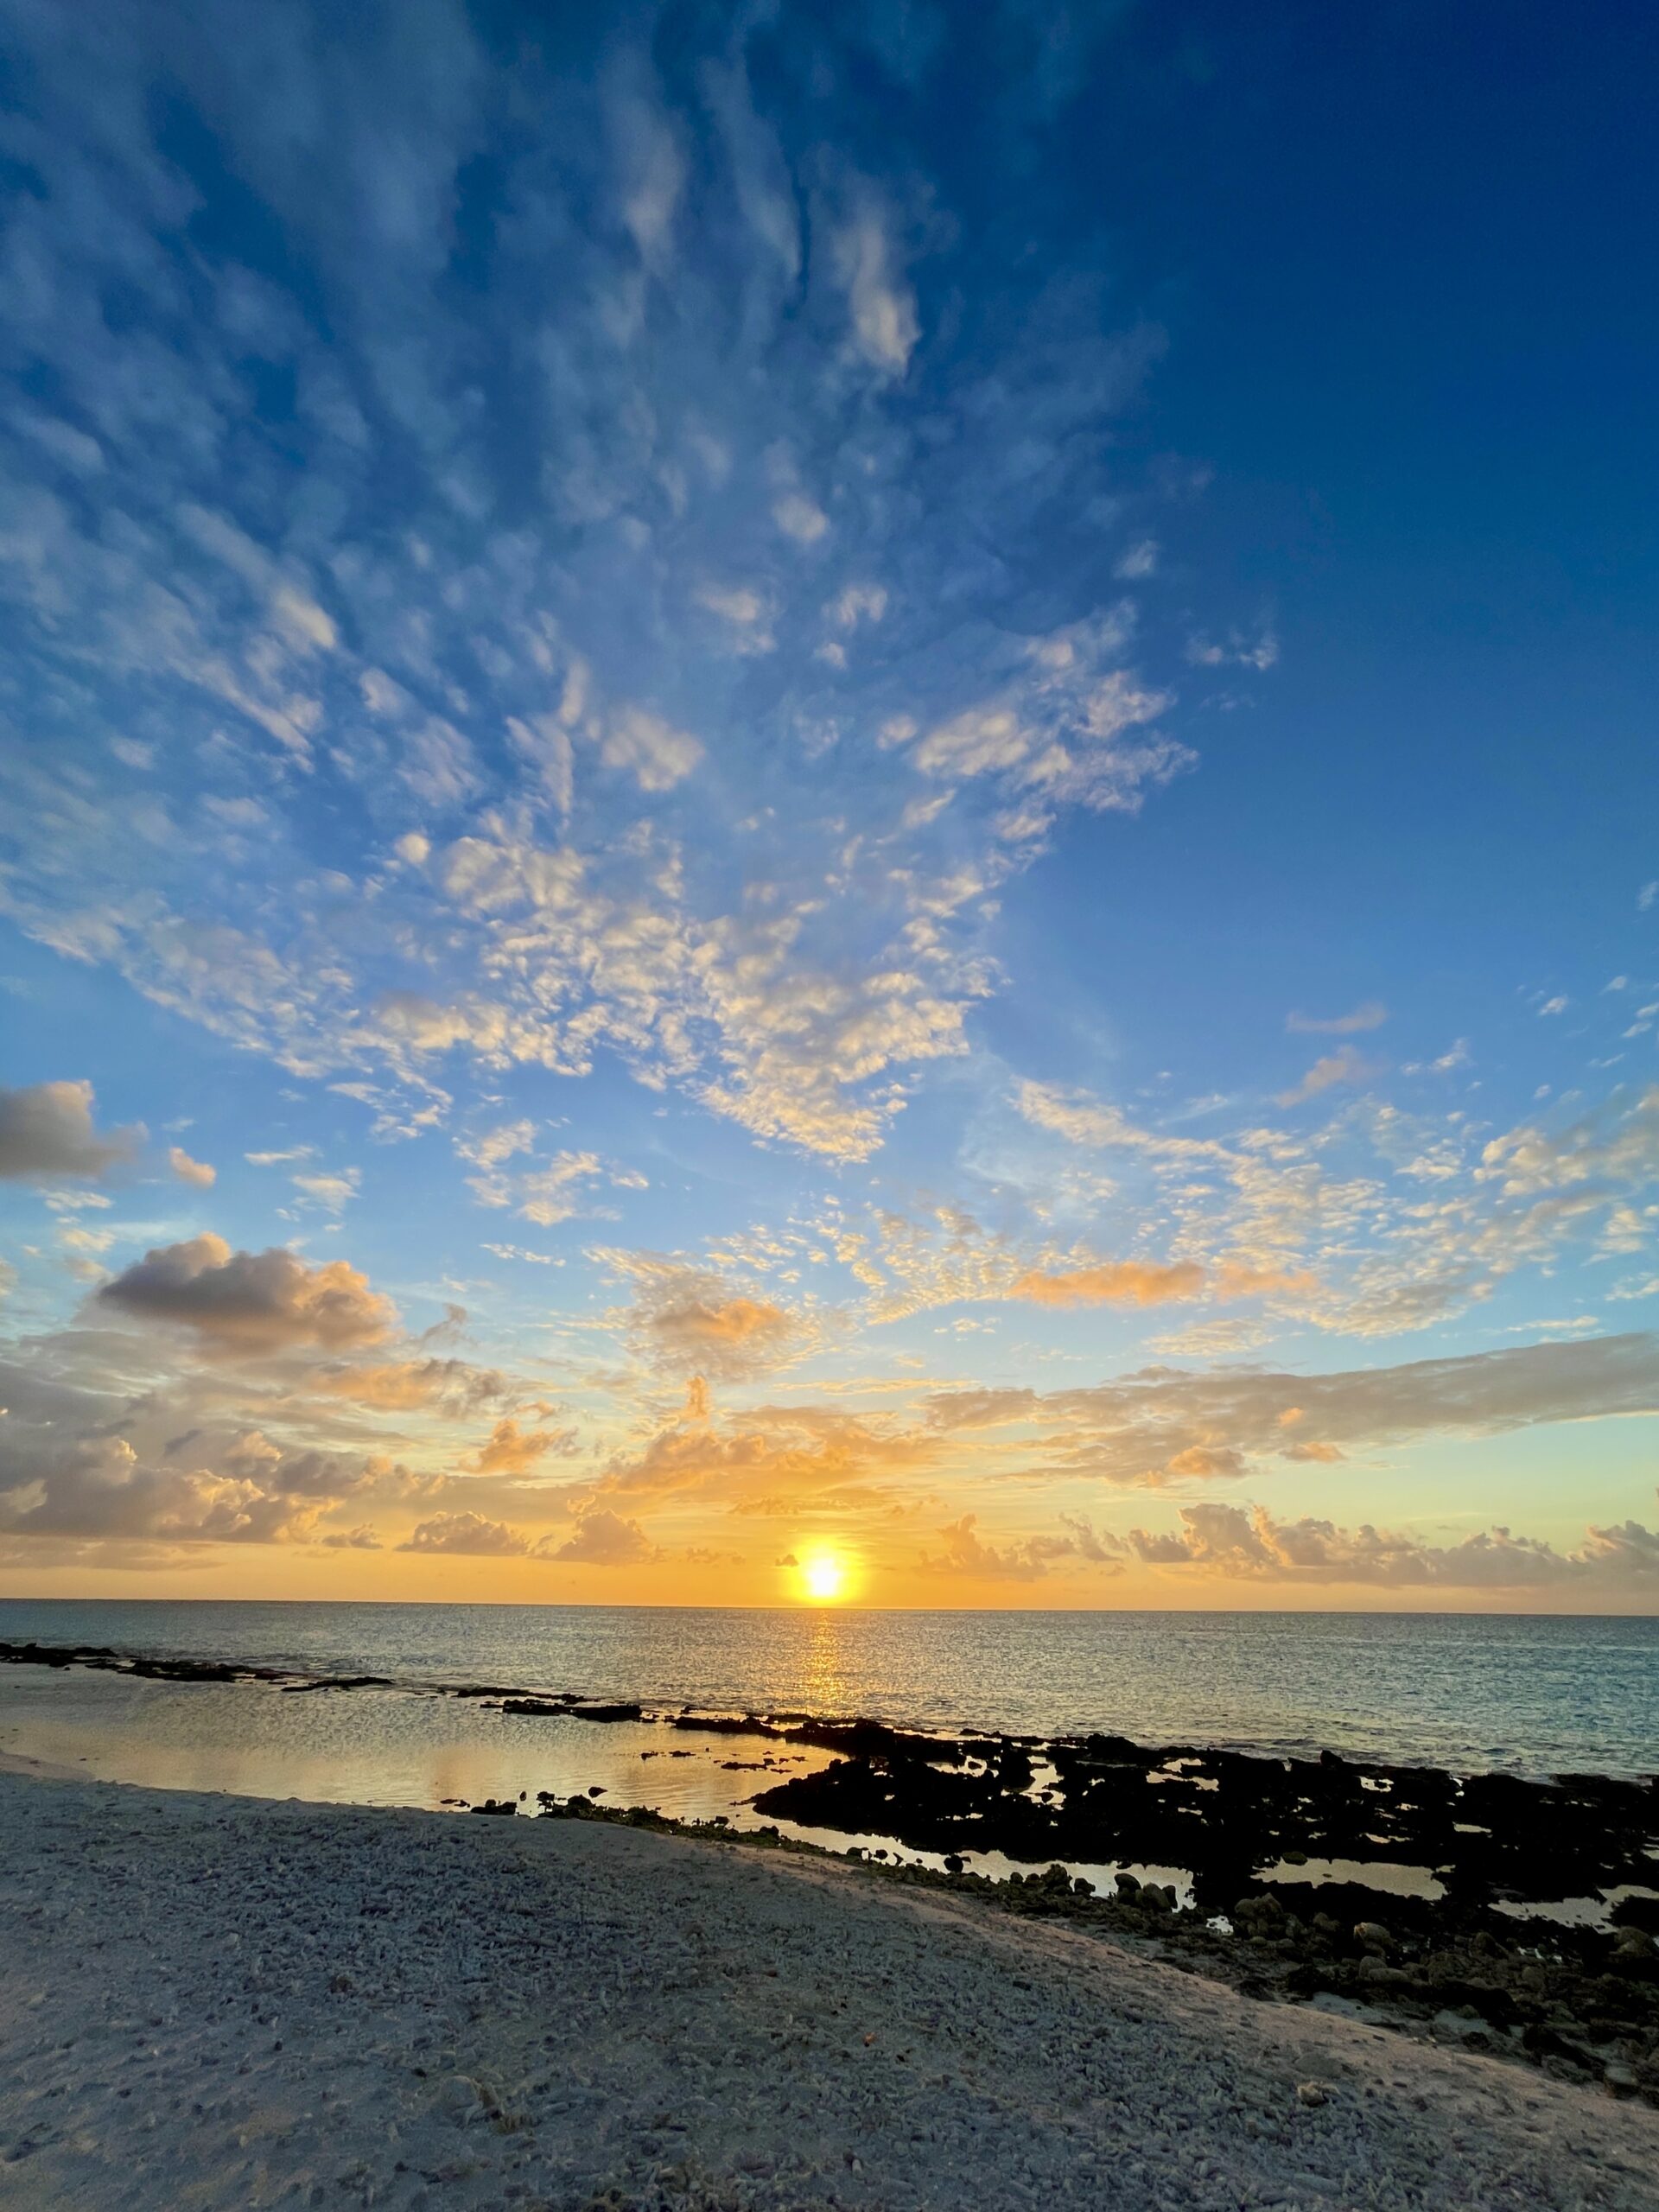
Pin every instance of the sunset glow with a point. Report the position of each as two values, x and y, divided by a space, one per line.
823 1578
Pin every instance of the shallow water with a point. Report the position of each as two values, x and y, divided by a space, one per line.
1572 1689
1532 1694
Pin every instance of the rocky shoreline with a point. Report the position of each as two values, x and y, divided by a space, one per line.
1418 1897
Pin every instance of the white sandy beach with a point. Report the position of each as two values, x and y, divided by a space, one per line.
215 2002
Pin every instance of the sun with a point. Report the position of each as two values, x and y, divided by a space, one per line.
824 1576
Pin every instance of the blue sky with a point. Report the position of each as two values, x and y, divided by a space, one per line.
782 780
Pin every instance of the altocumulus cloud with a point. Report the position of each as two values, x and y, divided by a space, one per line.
690 1320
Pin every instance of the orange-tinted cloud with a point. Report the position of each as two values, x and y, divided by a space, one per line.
1231 1542
251 1302
1114 1282
690 1320
1344 1065
410 1385
1237 1279
1147 1282
514 1451
471 1535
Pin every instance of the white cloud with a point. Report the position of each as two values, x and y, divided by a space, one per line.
800 518
196 1172
856 603
330 1193
542 742
651 750
886 326
746 613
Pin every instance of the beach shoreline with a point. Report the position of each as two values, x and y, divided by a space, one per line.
1508 1916
224 2001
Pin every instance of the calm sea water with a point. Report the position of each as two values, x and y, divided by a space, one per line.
1529 1692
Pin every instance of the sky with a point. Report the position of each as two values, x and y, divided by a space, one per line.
863 782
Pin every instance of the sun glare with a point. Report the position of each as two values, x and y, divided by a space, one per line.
823 1578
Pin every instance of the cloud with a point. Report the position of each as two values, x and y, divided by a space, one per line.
886 326
604 1539
746 613
690 1320
1115 1282
1088 1122
331 1193
1617 1146
452 1386
195 1171
47 1131
514 1452
856 603
1347 1066
251 1302
542 742
1142 1282
1371 1014
246 1489
1232 1542
1056 731
800 518
557 1190
655 754
725 408
1162 1425
468 1534
776 1460
967 1553
1261 652
489 1147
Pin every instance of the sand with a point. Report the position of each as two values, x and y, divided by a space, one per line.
221 2002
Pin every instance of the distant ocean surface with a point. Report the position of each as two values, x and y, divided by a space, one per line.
1532 1694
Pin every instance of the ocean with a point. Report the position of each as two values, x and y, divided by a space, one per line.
1530 1693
